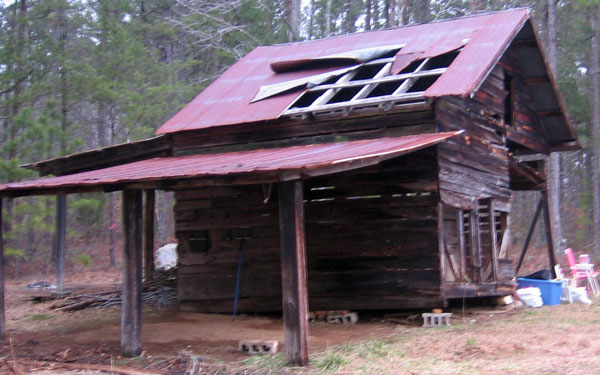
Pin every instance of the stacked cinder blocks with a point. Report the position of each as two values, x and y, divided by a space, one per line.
259 347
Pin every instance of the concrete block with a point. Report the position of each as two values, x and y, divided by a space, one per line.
436 320
259 347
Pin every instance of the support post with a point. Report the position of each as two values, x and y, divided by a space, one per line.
2 318
149 235
131 305
60 238
476 244
493 239
549 236
460 230
293 272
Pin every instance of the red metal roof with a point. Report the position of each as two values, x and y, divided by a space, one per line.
288 159
227 100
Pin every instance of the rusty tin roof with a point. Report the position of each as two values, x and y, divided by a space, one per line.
227 100
295 161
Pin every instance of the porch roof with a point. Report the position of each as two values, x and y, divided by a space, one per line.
231 168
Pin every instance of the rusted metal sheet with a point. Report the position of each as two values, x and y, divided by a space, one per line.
227 100
289 159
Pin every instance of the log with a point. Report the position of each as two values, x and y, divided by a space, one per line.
123 370
293 272
131 308
2 316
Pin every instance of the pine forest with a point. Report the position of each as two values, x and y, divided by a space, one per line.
82 74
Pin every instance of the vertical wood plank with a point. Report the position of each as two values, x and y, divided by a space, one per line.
493 238
2 317
460 222
131 305
549 235
293 272
60 238
476 244
442 244
149 234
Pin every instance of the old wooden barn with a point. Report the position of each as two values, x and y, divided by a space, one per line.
366 171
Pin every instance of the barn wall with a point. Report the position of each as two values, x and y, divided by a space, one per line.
371 238
474 182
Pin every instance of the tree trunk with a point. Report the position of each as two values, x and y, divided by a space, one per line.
554 173
595 68
368 10
391 13
423 13
112 229
406 12
292 12
328 18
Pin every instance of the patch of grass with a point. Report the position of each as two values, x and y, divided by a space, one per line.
39 317
471 342
374 349
266 361
331 361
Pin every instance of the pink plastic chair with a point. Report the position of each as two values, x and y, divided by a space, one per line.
583 271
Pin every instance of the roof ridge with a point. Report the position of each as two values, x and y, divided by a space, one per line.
400 27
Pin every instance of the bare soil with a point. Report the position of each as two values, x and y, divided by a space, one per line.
561 339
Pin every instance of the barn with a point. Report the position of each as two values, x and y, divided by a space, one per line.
366 171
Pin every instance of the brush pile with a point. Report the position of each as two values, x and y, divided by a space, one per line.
161 292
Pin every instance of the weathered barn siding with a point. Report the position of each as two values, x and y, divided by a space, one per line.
371 239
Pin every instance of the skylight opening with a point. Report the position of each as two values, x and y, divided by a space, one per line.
367 72
345 95
386 88
373 84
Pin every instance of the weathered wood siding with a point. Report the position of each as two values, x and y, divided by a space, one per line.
371 238
476 164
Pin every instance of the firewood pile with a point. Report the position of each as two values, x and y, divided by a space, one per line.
161 292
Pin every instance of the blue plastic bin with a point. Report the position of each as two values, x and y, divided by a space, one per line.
551 289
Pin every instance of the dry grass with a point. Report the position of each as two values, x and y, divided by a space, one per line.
552 340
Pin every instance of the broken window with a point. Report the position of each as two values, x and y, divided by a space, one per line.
373 84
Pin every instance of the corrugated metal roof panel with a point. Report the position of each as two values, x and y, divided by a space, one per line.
296 158
227 100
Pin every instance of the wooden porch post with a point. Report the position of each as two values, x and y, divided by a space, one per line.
149 235
2 319
293 272
131 305
60 237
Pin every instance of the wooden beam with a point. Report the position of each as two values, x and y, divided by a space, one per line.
539 80
476 244
552 113
59 240
131 306
493 239
549 234
293 271
2 317
149 235
538 210
460 230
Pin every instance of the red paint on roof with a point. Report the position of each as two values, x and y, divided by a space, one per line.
227 100
295 158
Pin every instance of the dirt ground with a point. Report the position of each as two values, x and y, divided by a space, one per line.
551 340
